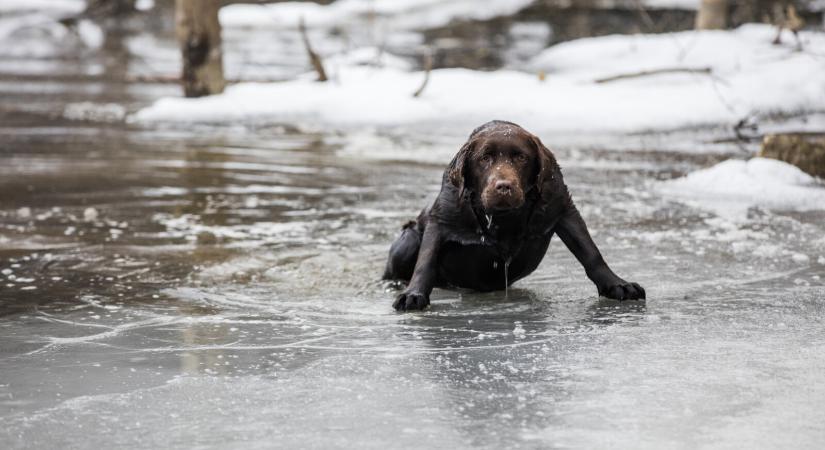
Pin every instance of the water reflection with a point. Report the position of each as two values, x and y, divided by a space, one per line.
210 361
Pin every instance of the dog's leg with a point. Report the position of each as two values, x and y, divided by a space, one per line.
403 254
417 294
573 232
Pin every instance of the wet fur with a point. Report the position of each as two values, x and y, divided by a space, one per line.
450 243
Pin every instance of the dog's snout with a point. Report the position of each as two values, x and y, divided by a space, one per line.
504 187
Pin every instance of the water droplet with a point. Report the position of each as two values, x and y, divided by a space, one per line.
506 276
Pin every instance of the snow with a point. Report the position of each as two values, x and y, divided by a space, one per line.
735 184
690 5
52 6
144 5
750 76
90 214
394 14
100 112
91 34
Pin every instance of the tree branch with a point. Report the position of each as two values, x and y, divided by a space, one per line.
314 59
644 73
428 66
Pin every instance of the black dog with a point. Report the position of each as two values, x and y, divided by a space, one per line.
502 198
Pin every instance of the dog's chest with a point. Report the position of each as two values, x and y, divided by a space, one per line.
490 265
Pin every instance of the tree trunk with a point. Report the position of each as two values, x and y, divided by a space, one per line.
712 15
199 37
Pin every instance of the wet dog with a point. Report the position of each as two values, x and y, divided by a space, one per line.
502 198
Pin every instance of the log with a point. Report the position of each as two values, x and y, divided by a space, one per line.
199 36
806 151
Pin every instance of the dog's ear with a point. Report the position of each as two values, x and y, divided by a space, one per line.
546 167
457 171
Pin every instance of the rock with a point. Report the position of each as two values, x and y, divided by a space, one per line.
806 151
207 238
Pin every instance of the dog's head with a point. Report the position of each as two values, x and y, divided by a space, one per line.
501 162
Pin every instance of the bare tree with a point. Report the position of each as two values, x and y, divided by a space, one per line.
199 37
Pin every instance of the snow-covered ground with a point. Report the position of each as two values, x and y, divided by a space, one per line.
31 28
749 76
732 186
393 14
49 6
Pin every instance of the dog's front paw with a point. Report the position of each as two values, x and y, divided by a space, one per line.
622 290
410 301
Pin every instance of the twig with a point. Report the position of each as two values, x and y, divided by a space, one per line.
745 124
428 66
644 73
314 59
644 15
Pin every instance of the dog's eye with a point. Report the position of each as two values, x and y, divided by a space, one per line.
521 157
486 158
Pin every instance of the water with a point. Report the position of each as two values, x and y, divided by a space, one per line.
218 287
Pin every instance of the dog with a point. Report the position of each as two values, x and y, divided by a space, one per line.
502 198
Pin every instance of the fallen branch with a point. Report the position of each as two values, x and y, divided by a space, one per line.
428 66
644 73
314 59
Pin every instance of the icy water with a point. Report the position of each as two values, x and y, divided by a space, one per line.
218 288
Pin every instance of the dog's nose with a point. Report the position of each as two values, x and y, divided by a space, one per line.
504 187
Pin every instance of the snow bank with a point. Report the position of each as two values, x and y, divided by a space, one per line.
30 28
728 53
50 6
750 76
394 14
758 182
689 5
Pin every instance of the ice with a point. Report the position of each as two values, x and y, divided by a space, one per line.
243 306
90 214
106 112
800 258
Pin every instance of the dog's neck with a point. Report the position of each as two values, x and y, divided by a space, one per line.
505 230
